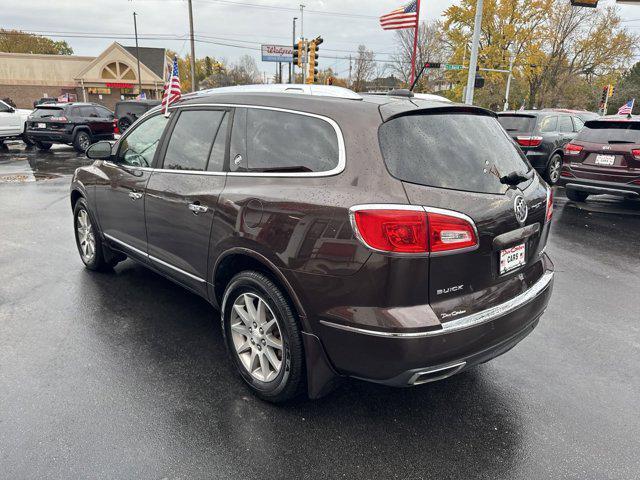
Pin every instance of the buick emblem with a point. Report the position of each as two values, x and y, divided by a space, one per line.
521 209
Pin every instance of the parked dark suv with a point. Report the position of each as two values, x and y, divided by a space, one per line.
77 124
389 239
603 159
542 136
129 111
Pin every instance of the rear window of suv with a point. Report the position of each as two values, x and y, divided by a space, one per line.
455 151
610 132
47 112
517 123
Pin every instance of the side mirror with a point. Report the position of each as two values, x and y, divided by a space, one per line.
99 151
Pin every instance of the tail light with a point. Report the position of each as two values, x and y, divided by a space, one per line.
116 130
636 153
529 141
58 119
549 205
573 149
412 230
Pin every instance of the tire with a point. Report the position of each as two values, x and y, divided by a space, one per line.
576 195
251 347
43 145
552 172
124 123
82 141
27 141
96 261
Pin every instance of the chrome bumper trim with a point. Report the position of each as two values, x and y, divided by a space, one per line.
461 323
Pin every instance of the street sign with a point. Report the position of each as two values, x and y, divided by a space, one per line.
443 66
449 66
277 53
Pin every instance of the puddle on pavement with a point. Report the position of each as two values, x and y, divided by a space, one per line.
26 177
20 165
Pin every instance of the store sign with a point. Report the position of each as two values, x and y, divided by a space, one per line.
99 90
277 53
119 85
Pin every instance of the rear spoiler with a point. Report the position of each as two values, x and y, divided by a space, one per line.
393 110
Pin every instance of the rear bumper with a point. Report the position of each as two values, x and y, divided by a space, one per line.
50 136
597 187
409 358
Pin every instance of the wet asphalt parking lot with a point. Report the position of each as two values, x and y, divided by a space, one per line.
124 375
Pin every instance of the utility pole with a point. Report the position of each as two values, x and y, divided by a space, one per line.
292 68
304 45
135 29
350 68
506 95
194 87
473 61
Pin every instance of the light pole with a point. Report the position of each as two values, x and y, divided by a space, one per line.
473 61
135 29
304 45
506 95
291 65
194 87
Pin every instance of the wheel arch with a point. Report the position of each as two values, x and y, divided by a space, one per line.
236 260
81 128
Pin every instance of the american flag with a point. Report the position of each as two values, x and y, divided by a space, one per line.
172 91
403 17
627 108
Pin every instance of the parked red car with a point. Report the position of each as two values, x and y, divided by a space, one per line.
603 159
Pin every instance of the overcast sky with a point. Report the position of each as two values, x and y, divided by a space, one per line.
242 23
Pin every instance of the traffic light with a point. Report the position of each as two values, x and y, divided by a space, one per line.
585 3
432 65
612 90
298 52
605 94
479 81
312 76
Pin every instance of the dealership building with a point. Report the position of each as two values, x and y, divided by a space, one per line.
106 79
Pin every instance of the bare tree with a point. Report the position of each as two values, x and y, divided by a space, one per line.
364 68
432 47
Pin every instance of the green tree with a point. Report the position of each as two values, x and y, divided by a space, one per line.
628 88
16 41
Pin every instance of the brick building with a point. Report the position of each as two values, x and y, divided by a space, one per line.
105 79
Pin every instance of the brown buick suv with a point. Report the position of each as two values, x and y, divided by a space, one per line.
384 238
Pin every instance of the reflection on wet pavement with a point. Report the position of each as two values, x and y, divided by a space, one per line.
21 164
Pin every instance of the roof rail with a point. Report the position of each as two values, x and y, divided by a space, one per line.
293 88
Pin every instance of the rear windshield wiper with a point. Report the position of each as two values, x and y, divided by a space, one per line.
515 178
293 168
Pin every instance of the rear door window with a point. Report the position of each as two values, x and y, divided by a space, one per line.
458 151
192 140
610 132
517 123
269 135
565 125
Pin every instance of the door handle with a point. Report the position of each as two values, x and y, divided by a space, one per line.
196 208
135 195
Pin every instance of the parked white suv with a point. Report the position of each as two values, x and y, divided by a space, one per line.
12 123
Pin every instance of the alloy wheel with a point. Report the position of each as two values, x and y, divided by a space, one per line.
86 237
554 170
257 337
84 141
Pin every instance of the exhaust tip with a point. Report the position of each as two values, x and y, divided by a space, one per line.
435 374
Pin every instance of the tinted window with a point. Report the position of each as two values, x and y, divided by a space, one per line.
87 112
269 137
47 112
610 132
139 146
192 139
123 109
216 159
4 107
517 123
549 124
565 125
103 112
457 151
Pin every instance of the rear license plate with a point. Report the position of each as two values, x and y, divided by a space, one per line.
605 159
512 258
42 125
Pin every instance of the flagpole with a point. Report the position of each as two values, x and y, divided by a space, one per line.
415 44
